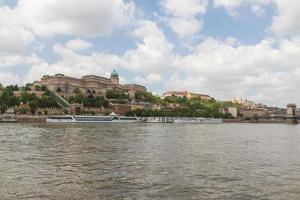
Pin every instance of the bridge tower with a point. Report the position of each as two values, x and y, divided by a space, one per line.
291 114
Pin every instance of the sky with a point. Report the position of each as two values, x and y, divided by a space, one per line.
225 48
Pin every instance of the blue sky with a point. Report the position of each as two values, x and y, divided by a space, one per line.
225 48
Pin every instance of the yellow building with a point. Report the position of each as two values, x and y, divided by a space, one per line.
188 95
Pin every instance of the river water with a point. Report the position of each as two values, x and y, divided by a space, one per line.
149 161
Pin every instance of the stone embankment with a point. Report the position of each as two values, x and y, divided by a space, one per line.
23 118
261 121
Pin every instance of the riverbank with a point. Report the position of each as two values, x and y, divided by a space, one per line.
42 119
23 118
258 121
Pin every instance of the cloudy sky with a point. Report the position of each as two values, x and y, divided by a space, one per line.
225 48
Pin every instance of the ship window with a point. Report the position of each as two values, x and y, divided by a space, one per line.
61 118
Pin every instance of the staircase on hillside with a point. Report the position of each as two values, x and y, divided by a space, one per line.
61 101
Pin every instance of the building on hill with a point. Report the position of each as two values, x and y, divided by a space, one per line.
248 104
97 85
186 94
132 89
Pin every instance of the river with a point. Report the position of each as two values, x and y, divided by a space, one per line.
150 161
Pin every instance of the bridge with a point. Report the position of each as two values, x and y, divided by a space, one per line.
291 117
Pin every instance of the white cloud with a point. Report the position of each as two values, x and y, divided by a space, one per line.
154 54
74 17
254 71
228 4
20 24
14 38
185 27
149 79
223 69
74 64
268 71
9 60
259 11
78 44
185 8
232 5
152 58
283 24
286 23
7 78
182 15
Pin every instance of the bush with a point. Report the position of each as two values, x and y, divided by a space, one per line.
23 111
33 107
37 88
116 94
44 88
3 108
77 91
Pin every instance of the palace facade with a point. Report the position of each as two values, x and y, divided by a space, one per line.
98 85
187 95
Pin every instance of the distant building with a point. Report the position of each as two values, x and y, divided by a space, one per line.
122 109
291 110
251 112
248 104
132 89
233 111
87 84
186 94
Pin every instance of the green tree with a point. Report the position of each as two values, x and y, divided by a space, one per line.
26 97
33 106
79 98
3 108
28 87
44 88
6 96
116 94
13 87
37 88
77 91
14 101
23 111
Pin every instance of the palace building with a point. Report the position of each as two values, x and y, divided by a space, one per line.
187 95
87 84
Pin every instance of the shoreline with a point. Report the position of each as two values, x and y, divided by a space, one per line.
42 119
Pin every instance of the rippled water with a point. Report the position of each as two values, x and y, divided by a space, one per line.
149 161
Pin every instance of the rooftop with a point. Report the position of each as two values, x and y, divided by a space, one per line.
114 73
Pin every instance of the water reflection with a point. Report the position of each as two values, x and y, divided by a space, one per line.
149 161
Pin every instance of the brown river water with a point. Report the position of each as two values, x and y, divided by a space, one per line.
150 161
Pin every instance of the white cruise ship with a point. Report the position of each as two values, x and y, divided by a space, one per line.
91 119
159 120
198 120
183 120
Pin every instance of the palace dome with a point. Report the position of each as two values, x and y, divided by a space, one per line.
114 74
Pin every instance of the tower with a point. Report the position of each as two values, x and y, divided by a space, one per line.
291 114
114 77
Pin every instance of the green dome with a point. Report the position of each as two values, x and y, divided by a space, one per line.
114 74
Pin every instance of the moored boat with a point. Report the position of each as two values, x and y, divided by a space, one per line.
198 120
91 119
159 120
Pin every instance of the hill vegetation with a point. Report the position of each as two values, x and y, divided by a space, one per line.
13 96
